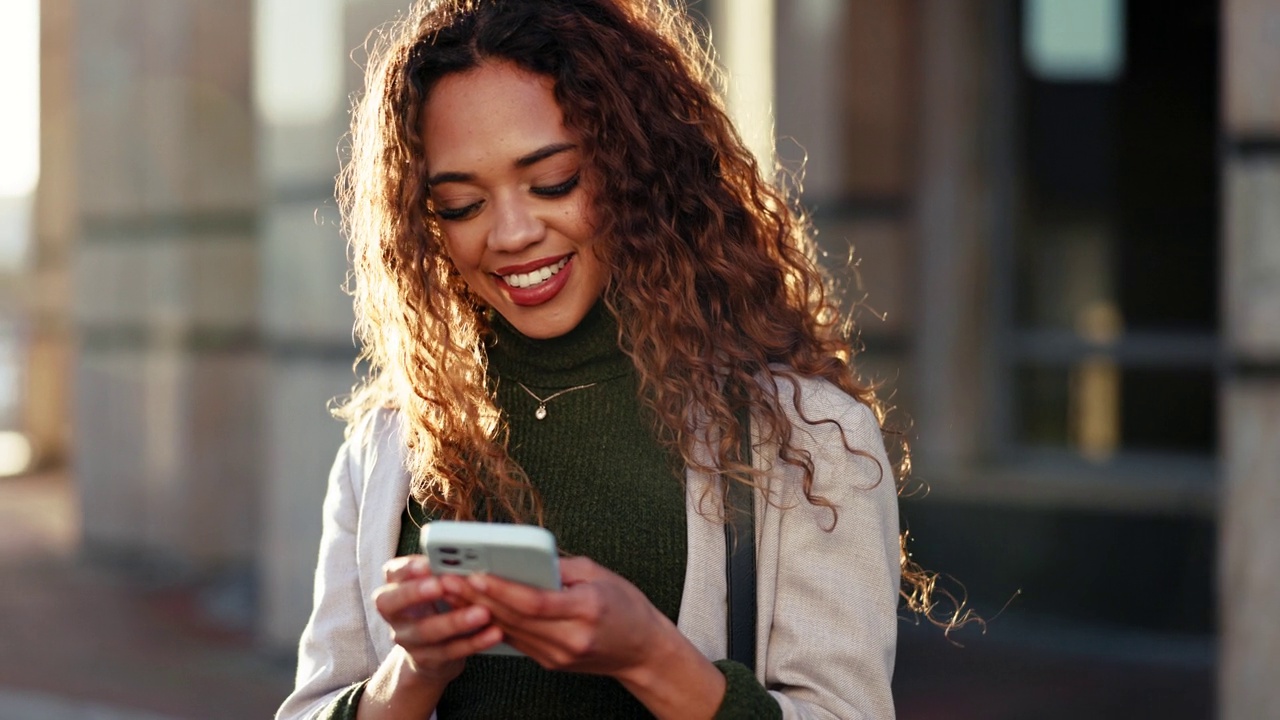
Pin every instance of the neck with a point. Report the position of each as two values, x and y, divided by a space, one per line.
589 353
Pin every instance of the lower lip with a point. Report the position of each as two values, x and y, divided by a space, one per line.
542 292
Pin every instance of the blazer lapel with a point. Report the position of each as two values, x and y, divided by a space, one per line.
383 498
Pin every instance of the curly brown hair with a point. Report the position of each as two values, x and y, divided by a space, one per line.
684 222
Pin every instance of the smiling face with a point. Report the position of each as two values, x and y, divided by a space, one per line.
505 177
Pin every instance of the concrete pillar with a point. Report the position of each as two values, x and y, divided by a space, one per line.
306 317
165 274
1249 586
845 114
48 293
953 221
1248 592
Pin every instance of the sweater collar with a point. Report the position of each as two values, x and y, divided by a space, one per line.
587 354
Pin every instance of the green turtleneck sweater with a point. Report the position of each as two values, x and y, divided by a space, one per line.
610 492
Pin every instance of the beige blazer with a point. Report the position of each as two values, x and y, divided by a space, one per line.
826 626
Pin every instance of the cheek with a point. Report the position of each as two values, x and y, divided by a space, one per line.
582 219
462 250
584 204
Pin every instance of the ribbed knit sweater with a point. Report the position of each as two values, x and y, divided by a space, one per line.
610 492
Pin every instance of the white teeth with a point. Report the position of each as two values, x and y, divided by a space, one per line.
536 277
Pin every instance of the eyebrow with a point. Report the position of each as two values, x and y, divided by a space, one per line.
523 161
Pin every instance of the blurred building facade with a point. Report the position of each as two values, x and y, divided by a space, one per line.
1065 219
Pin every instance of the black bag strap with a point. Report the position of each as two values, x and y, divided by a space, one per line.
740 568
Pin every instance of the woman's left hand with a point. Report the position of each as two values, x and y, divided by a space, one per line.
599 623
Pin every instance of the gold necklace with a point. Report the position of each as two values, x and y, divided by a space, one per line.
541 412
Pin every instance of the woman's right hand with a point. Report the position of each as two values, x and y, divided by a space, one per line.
435 644
431 646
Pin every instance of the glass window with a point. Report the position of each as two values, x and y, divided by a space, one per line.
1114 304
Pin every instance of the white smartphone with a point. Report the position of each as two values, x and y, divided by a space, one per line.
523 553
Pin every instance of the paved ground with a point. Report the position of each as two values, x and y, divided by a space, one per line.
81 641
1017 672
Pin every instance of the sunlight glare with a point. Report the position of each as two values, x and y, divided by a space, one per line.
298 60
20 87
15 453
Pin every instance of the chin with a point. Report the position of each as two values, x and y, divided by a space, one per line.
540 324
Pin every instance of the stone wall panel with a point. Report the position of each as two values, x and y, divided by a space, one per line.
1252 58
1253 257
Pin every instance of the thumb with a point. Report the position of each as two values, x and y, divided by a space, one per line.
574 570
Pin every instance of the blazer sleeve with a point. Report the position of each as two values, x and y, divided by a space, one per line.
831 632
335 651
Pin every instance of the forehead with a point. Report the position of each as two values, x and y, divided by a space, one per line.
489 115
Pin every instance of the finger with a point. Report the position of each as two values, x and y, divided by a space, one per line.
540 613
465 590
536 647
406 567
455 602
555 645
574 570
525 599
441 628
397 598
552 643
459 648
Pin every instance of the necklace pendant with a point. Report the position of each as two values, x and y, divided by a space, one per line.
541 412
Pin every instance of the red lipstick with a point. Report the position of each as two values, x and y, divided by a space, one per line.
543 291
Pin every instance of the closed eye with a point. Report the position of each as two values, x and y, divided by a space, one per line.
555 191
457 213
544 191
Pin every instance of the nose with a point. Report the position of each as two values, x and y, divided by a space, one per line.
516 226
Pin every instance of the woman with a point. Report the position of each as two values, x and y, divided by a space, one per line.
570 283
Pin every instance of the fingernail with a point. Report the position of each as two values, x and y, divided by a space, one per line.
420 564
430 586
478 582
475 614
